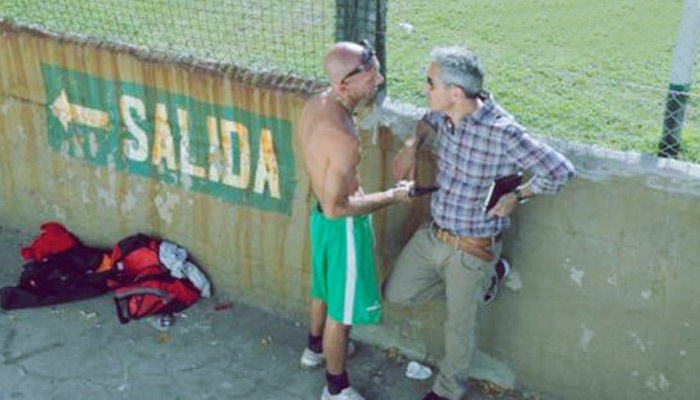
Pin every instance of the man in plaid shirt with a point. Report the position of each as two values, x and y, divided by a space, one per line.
476 141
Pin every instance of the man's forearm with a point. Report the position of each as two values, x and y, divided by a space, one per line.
552 180
362 204
369 203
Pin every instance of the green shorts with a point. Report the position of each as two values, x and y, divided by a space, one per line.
343 268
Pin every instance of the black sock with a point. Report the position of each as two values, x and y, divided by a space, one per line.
336 383
316 343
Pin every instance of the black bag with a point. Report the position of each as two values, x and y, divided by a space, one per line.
59 278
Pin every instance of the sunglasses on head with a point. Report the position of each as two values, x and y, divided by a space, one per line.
366 62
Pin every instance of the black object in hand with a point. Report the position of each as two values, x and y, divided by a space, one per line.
501 186
417 191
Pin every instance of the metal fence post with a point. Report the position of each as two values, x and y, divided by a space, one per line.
363 19
681 75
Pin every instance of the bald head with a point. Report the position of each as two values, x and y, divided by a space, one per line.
342 58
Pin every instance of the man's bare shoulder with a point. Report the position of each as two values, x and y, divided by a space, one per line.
333 140
323 109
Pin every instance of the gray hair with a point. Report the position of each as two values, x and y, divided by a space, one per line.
460 67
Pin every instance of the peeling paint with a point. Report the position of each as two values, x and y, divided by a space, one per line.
684 353
112 180
94 145
612 281
84 192
577 276
638 341
586 337
64 149
660 384
19 136
138 188
164 204
186 181
58 212
105 197
651 383
111 163
646 294
5 106
77 146
70 173
129 203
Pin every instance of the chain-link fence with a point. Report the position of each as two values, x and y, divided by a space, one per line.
280 36
671 143
590 71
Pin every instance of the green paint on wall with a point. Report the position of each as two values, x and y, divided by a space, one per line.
222 151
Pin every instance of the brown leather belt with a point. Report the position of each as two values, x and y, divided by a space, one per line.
479 247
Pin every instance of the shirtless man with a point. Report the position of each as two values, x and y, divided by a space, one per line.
344 286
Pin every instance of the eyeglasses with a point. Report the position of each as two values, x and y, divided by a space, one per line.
366 62
480 93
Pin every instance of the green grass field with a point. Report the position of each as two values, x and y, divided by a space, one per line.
592 71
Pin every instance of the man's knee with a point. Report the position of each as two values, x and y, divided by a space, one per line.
335 326
393 294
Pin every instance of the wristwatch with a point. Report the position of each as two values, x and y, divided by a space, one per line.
519 196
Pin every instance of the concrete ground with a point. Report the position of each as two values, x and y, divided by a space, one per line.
217 349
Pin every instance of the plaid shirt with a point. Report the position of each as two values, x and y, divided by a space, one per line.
486 145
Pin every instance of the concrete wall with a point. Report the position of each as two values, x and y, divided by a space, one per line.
609 272
603 302
250 239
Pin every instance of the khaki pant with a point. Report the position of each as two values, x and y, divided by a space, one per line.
427 268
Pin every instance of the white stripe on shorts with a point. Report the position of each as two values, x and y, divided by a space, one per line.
350 271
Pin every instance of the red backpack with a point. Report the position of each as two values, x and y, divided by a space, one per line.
155 295
135 257
143 286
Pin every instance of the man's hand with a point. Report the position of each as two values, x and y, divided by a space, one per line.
506 204
404 165
402 191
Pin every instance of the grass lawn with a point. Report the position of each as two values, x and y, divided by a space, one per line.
592 71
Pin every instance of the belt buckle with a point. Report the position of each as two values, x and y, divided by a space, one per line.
448 237
456 240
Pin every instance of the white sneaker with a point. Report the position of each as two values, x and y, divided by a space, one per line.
311 360
346 394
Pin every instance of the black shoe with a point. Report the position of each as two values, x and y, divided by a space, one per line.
432 396
499 273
